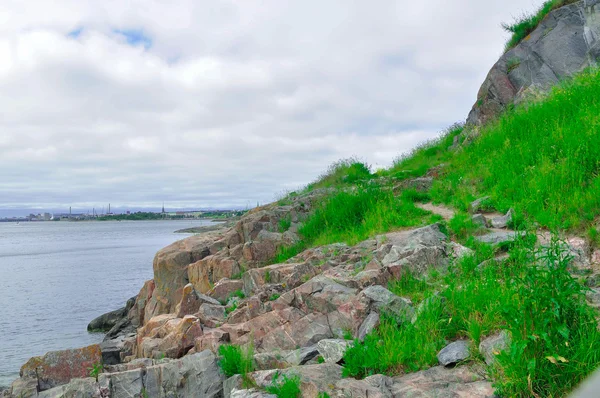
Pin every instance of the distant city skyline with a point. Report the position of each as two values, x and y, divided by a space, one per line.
4 213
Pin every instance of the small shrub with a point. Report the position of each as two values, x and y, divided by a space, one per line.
267 276
285 224
236 360
342 172
461 226
95 370
231 308
285 386
274 297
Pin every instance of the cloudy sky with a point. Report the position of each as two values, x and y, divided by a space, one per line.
226 103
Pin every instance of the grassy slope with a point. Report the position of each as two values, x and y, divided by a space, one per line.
543 160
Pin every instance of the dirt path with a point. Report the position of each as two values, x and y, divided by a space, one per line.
446 212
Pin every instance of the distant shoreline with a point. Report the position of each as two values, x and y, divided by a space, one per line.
217 224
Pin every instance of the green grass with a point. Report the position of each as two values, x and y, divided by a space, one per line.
236 360
285 224
461 226
354 215
343 172
285 386
555 341
425 156
543 160
526 24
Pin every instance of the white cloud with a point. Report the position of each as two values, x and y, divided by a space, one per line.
225 103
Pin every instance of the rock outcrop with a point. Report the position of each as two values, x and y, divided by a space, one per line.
215 289
566 42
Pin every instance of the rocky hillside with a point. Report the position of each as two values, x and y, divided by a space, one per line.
471 268
565 43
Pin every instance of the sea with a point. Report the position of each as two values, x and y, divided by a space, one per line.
55 277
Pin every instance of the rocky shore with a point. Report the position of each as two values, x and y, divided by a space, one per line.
165 341
300 316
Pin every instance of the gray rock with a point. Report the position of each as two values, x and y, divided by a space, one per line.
107 321
459 251
253 393
476 205
503 221
480 220
196 375
416 250
368 325
313 378
285 359
564 43
454 353
111 351
333 350
77 388
492 345
498 237
377 386
439 381
383 300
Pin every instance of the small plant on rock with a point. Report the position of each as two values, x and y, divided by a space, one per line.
95 370
285 386
236 360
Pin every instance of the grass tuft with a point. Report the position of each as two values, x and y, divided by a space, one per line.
236 360
285 386
343 172
526 24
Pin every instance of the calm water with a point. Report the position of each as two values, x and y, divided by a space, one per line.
55 277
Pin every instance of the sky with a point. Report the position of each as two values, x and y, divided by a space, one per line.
226 103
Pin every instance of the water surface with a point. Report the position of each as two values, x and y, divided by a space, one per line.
57 276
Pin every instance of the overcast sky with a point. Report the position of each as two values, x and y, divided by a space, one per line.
226 103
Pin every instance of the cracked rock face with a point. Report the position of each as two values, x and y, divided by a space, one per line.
565 42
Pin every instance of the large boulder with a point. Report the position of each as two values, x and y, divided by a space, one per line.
171 272
107 321
439 381
59 367
416 250
204 273
564 43
168 336
196 375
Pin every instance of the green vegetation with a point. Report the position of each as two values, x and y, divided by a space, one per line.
343 172
229 309
274 297
285 386
354 215
461 226
543 159
236 360
95 370
555 341
426 155
526 24
285 224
